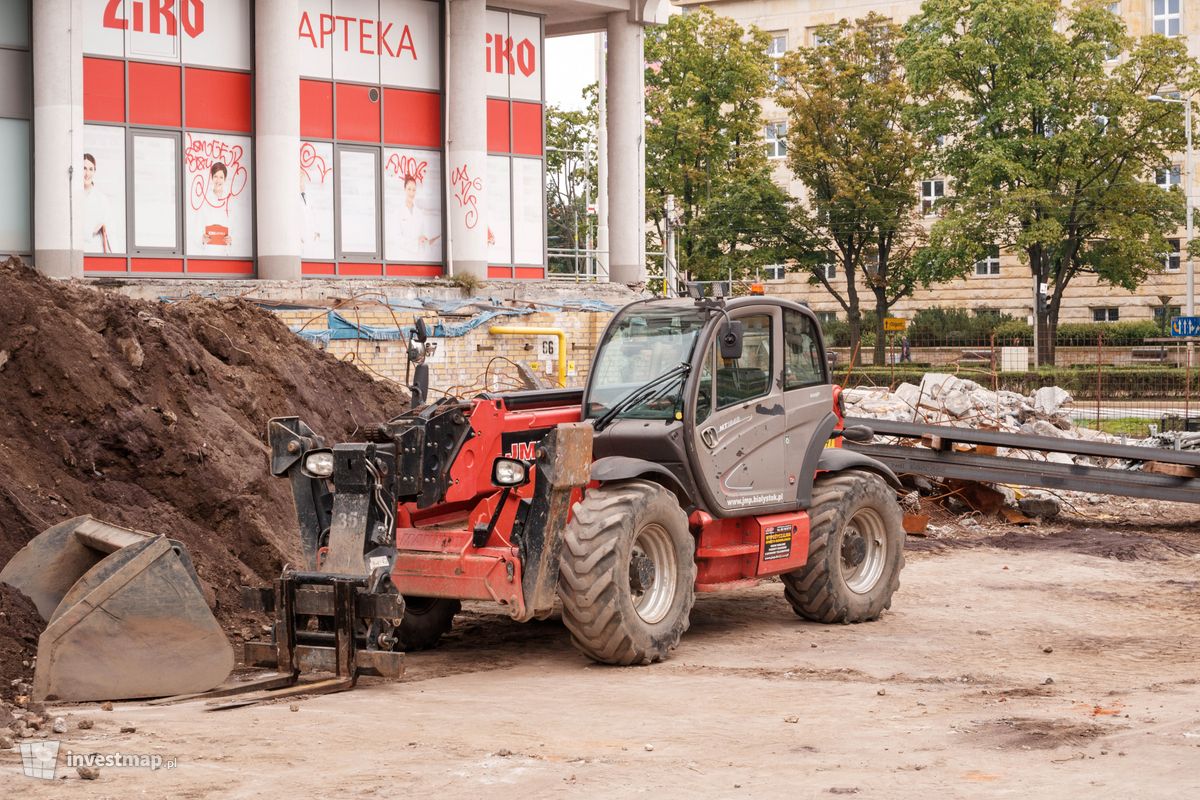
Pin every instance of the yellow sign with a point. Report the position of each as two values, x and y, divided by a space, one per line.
892 324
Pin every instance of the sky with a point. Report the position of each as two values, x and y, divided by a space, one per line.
570 66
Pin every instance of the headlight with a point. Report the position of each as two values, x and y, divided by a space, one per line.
509 472
318 463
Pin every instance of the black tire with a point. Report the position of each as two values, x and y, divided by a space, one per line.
616 615
855 551
425 620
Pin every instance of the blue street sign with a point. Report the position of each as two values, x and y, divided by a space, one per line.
1185 326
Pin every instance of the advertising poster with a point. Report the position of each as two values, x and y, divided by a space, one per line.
214 33
103 189
528 196
358 207
412 205
217 191
499 214
315 208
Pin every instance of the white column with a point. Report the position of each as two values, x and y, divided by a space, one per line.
277 139
58 235
625 108
466 137
602 161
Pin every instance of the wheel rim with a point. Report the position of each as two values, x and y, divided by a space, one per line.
864 550
653 573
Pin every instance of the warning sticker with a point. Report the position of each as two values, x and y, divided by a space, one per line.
777 542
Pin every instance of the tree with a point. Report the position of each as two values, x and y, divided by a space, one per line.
705 77
1050 139
849 145
571 163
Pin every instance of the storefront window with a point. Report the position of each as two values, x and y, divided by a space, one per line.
16 108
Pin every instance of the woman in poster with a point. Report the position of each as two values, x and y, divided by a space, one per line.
96 212
215 237
412 226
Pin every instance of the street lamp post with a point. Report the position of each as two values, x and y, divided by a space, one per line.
1189 168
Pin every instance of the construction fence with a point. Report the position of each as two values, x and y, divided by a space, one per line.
1124 386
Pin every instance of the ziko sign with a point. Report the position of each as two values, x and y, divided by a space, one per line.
156 16
389 42
210 33
513 55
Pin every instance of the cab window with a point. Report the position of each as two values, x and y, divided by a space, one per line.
803 361
748 377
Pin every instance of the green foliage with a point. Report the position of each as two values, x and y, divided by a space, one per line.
953 326
571 166
1048 144
705 77
850 145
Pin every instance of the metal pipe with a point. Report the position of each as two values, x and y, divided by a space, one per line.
517 330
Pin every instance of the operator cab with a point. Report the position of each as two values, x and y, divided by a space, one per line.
740 435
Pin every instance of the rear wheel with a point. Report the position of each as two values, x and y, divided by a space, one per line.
425 620
628 573
855 551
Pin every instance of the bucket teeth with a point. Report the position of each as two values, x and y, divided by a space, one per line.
126 615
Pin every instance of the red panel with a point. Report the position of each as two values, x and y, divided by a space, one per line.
357 113
316 268
102 264
220 267
103 90
359 269
532 273
154 94
527 128
316 109
498 130
499 272
414 270
217 99
412 118
157 264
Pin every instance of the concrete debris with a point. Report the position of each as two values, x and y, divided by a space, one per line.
1040 505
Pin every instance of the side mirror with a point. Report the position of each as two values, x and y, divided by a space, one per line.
422 333
731 340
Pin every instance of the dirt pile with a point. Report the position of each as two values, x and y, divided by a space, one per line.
20 626
154 415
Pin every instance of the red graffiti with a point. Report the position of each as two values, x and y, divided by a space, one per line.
313 163
156 16
465 188
200 155
405 167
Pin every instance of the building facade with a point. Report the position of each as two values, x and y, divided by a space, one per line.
1000 282
293 138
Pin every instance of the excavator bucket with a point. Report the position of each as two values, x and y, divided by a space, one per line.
126 617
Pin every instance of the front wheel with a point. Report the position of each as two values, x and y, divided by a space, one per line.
425 620
855 551
628 573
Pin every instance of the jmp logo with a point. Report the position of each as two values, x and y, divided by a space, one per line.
526 451
156 16
39 759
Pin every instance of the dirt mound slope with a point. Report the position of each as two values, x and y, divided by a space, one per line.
154 416
20 626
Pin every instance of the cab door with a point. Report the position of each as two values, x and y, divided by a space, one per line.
738 436
807 395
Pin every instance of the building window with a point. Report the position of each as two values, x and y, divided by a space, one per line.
1171 257
773 272
830 270
815 39
776 136
989 265
1171 313
825 317
1167 177
1111 314
932 192
16 108
778 44
1166 17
